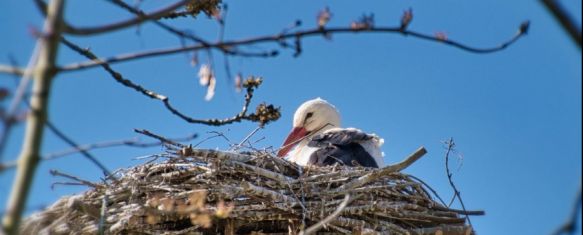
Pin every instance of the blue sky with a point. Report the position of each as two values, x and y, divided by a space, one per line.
515 115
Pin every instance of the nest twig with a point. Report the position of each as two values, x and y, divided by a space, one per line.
213 192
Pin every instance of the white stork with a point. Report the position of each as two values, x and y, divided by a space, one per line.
319 140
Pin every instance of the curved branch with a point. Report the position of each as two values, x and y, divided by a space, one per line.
88 31
264 113
164 26
183 34
299 34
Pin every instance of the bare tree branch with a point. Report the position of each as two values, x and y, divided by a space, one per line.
29 157
229 47
65 138
565 20
164 26
159 137
182 34
215 135
75 178
450 147
73 144
278 38
133 142
88 31
238 146
429 187
264 113
19 95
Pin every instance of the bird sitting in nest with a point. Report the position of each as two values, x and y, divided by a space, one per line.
319 140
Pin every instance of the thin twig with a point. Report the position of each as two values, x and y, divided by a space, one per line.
53 185
450 147
62 136
282 37
222 22
75 178
246 138
159 137
314 228
216 134
19 95
428 187
73 144
134 142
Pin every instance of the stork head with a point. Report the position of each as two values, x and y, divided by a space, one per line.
313 116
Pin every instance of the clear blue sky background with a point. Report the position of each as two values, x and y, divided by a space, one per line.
515 114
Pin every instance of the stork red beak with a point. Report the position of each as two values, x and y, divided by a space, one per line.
292 140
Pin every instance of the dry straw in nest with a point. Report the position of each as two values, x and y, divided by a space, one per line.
213 192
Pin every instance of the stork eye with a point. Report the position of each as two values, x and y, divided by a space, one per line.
309 115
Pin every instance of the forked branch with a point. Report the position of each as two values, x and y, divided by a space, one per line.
263 114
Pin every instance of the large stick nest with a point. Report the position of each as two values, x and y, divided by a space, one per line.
214 192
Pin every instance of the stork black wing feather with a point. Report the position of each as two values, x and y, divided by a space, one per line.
341 146
342 137
352 154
